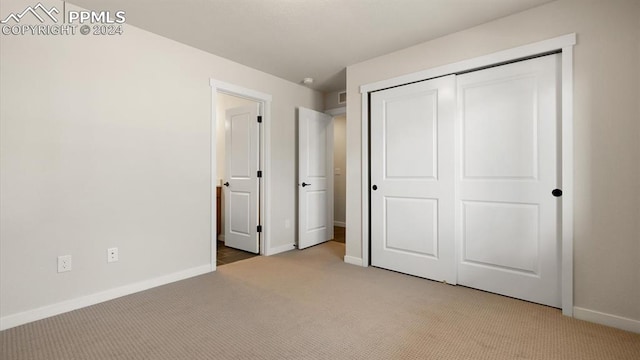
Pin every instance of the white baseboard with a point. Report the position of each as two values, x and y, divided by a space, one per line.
353 260
607 319
280 249
340 224
28 316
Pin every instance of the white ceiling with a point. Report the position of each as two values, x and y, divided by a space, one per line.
294 39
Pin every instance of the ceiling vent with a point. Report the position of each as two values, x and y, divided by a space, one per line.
342 97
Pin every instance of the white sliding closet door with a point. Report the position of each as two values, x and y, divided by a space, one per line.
412 194
465 179
507 167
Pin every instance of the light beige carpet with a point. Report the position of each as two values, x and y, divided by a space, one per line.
310 305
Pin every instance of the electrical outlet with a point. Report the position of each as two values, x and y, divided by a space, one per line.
287 224
112 254
64 263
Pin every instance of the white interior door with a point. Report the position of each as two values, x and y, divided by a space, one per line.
507 167
412 179
241 183
315 178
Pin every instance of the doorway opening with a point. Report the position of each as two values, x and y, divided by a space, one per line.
339 177
321 177
239 171
232 135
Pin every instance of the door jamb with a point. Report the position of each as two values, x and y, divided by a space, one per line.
564 44
264 159
330 183
335 112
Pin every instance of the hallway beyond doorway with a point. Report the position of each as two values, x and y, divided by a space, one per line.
227 255
338 234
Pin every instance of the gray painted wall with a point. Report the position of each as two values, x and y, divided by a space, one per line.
331 100
105 142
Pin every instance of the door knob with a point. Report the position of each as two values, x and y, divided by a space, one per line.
226 184
374 187
305 184
556 192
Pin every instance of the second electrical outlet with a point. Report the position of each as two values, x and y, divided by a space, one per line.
112 254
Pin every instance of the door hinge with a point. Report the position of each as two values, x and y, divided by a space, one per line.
259 173
259 118
259 228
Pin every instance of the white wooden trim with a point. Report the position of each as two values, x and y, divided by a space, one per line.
607 319
563 43
567 182
537 48
240 91
214 175
336 111
339 223
14 320
364 210
266 192
265 158
353 260
331 186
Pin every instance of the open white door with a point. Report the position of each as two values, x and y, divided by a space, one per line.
412 185
241 183
315 178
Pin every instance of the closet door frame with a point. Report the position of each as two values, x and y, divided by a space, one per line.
563 45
